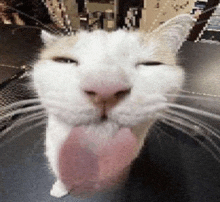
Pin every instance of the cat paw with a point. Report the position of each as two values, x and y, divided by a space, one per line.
58 190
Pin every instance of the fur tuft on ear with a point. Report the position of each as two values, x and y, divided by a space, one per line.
174 32
47 37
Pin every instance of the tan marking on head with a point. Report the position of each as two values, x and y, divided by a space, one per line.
60 47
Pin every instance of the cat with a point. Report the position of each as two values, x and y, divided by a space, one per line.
102 92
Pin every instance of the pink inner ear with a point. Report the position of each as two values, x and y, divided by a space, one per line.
86 172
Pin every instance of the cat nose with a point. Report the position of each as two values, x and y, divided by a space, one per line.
107 95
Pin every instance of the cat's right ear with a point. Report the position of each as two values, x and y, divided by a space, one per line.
47 37
174 32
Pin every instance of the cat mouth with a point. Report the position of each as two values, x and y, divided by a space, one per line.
103 115
103 118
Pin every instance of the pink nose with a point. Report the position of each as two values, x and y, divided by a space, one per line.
107 92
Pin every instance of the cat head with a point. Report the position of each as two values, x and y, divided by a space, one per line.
121 77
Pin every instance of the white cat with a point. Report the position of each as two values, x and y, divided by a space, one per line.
102 92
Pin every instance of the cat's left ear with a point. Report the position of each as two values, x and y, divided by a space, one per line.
174 32
47 37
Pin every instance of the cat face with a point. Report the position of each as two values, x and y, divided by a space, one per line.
120 77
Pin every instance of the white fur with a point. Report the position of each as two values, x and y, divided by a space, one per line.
107 58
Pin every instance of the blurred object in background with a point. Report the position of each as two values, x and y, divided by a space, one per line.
71 15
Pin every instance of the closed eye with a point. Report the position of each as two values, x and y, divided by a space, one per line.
150 63
64 60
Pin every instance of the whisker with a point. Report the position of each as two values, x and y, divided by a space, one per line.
205 11
21 111
160 132
171 122
215 156
19 104
208 98
194 110
159 128
12 66
30 17
21 121
200 94
183 123
197 123
209 9
201 22
20 134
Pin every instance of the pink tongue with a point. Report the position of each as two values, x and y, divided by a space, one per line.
84 172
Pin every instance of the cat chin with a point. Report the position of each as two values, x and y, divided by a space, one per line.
104 129
97 125
94 123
